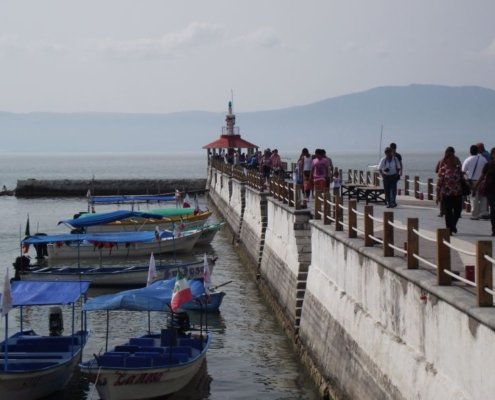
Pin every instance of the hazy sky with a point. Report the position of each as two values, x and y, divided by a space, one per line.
166 56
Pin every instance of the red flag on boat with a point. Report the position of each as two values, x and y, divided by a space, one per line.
182 292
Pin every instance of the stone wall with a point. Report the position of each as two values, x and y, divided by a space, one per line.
381 339
366 327
104 187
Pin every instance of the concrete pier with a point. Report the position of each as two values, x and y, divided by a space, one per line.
366 323
103 187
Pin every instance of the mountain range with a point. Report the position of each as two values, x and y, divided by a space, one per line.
416 117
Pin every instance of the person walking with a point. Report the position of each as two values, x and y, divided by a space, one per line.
488 180
336 182
303 173
266 165
276 163
393 146
472 167
319 171
307 163
390 170
437 169
449 189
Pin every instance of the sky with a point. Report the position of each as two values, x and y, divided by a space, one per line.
161 56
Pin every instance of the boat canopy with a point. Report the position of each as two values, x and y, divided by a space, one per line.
130 199
156 297
42 293
105 218
110 237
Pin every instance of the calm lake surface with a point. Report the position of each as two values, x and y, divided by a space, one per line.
250 356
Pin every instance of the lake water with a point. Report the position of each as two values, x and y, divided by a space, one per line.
250 356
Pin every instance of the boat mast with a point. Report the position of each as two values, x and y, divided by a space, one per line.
380 148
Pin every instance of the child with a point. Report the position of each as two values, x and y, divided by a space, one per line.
336 183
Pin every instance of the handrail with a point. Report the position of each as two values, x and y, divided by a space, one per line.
330 208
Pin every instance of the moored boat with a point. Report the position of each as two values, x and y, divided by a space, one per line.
109 276
131 221
34 366
151 365
112 245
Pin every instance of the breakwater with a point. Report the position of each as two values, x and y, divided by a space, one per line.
375 310
104 187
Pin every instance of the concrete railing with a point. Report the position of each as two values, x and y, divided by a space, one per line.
331 209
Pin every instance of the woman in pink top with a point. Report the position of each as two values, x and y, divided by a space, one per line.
319 171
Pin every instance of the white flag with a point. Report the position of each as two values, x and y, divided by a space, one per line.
152 275
206 275
6 295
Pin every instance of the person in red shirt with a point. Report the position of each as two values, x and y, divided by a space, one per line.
449 189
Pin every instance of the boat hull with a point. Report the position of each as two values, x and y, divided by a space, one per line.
150 383
74 250
137 224
213 303
35 374
162 370
35 385
113 276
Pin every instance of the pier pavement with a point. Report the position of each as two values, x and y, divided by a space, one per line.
426 211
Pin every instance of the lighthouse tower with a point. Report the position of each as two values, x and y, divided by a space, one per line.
230 141
230 127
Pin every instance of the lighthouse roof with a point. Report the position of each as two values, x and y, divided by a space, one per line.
230 142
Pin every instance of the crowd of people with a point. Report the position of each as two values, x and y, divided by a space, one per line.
474 177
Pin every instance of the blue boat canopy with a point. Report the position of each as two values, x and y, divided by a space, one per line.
130 199
106 218
110 237
156 297
43 293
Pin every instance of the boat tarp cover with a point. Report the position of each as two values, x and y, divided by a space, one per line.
130 199
39 293
106 218
156 297
110 237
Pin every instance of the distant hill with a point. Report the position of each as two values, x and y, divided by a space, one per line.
415 116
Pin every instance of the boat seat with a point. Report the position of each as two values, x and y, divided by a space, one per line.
16 348
14 356
138 362
51 339
111 360
194 343
141 341
178 349
167 359
44 347
117 353
129 348
152 349
168 337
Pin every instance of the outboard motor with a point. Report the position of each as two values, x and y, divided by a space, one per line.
21 263
55 321
180 321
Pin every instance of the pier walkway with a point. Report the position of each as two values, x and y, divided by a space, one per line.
406 309
426 211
